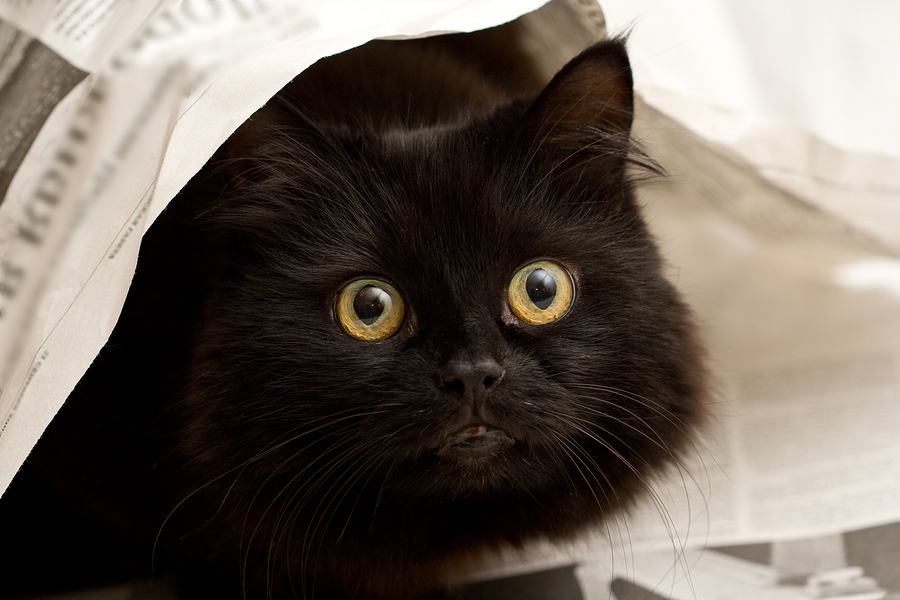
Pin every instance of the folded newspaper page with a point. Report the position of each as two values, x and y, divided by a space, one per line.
788 257
857 188
802 324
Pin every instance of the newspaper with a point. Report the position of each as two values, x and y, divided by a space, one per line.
856 187
789 258
715 576
801 315
86 33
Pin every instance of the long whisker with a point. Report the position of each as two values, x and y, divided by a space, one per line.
273 471
668 520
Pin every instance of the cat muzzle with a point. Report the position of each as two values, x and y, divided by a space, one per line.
475 441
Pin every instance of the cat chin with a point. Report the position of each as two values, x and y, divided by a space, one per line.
495 473
475 445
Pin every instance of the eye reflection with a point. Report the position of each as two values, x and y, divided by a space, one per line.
541 288
370 303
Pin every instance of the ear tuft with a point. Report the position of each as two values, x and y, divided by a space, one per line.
589 103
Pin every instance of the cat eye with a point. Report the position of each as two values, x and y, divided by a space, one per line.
541 293
370 310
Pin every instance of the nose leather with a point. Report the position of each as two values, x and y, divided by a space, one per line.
472 379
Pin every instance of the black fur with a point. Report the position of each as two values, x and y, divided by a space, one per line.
235 434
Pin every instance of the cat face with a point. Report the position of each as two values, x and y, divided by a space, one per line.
447 316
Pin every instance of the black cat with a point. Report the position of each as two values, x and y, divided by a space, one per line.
407 315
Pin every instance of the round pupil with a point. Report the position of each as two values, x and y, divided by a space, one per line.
541 288
369 303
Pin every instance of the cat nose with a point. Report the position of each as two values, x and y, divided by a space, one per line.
471 378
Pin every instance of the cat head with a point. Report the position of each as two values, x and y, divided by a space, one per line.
461 313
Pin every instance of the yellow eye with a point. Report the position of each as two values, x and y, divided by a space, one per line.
541 293
370 310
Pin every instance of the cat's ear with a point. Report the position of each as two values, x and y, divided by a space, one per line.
588 107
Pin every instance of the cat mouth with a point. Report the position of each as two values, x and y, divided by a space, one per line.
476 440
